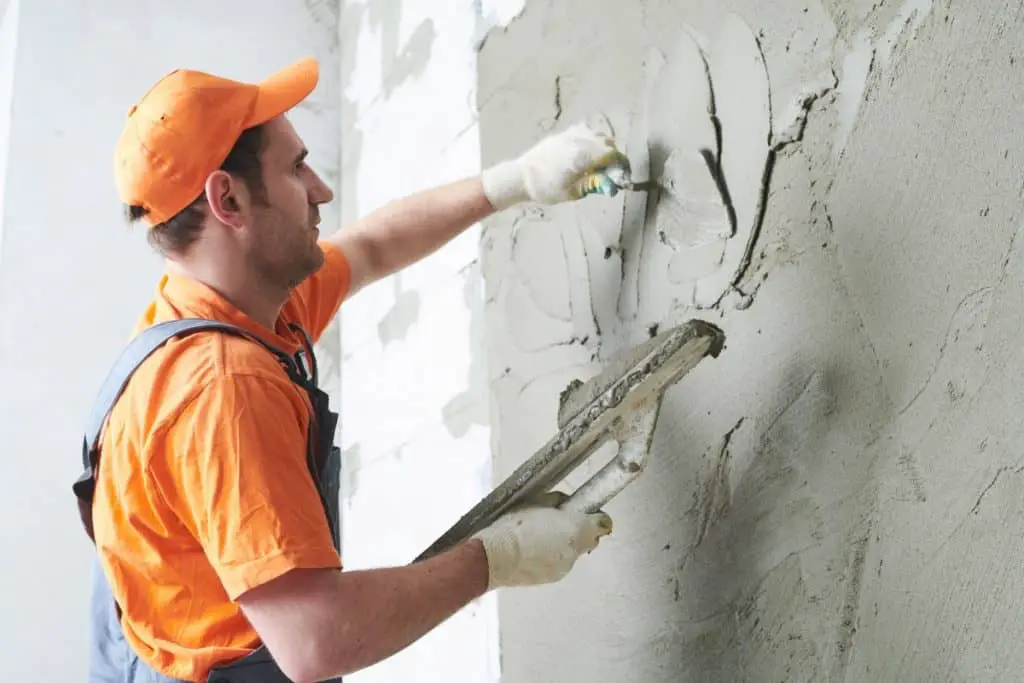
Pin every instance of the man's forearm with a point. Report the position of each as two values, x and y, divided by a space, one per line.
389 609
409 229
340 622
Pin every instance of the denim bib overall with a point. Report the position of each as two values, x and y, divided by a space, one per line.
111 660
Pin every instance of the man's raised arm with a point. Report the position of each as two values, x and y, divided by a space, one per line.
406 230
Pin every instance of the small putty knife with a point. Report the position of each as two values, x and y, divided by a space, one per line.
610 178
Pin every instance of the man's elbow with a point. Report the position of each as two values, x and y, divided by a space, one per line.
299 622
317 658
299 662
311 662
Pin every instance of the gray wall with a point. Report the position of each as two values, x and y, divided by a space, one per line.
837 497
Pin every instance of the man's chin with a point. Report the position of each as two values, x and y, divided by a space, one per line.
315 263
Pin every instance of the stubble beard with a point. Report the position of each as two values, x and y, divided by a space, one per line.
286 266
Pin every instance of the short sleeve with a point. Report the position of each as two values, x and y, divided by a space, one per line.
317 299
237 474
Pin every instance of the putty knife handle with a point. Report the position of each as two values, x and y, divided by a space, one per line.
612 175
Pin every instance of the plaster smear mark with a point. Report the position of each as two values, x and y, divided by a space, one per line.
793 121
743 107
689 214
800 67
352 466
539 255
400 318
850 93
537 299
912 15
495 15
469 407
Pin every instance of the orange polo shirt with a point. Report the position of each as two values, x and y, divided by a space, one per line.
203 491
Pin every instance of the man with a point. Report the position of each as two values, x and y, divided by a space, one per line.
209 495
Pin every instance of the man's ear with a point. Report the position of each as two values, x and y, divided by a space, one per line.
228 199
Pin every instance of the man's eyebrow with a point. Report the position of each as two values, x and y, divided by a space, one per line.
301 155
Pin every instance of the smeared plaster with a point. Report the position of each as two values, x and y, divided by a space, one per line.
400 59
689 209
395 324
410 62
708 121
547 289
495 15
498 13
793 121
743 106
873 50
325 12
912 14
469 407
856 67
687 220
351 467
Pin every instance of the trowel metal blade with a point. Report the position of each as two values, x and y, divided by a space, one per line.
642 186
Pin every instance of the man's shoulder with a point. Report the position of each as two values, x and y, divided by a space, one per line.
206 355
201 364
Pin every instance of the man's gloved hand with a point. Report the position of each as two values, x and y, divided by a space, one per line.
538 543
550 171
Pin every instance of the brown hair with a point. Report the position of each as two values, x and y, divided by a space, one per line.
178 233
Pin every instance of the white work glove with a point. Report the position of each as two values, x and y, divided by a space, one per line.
539 543
552 171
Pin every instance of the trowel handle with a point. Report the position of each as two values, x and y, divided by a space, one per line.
634 438
608 177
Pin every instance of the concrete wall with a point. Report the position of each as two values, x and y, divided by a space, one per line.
73 278
837 497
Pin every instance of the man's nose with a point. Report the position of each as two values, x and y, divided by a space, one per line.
319 192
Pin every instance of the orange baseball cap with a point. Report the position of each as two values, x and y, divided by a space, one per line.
184 127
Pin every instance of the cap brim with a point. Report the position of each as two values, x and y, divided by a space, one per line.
284 90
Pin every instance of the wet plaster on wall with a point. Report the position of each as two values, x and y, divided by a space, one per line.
837 496
469 407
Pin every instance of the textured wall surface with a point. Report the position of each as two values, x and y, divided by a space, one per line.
837 497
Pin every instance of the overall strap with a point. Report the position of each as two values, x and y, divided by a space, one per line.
137 351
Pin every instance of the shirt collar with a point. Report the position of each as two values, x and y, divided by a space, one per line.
179 296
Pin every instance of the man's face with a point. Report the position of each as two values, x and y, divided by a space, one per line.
284 248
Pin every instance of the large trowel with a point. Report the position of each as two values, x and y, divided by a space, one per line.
621 404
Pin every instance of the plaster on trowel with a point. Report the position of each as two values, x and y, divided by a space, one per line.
622 403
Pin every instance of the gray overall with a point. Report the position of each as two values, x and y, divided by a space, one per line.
111 660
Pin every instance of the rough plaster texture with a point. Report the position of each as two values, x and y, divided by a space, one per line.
73 278
835 498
